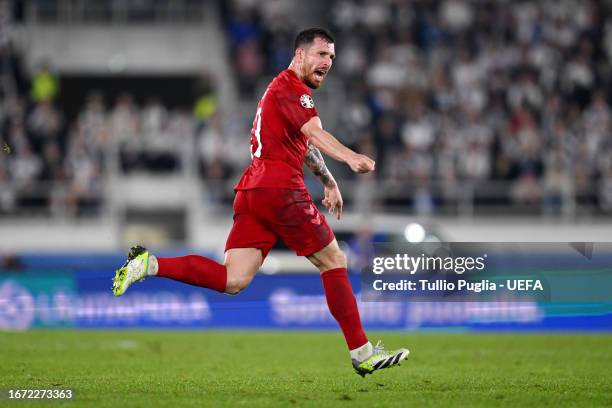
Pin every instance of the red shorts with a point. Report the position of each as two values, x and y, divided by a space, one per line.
263 215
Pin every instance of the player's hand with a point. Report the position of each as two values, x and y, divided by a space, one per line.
333 201
361 163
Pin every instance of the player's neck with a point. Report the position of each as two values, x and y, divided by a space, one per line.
293 66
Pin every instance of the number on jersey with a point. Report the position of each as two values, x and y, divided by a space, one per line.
256 135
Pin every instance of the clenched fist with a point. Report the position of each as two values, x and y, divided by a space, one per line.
360 163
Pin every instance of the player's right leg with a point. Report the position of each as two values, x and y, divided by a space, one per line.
235 274
242 264
247 245
134 269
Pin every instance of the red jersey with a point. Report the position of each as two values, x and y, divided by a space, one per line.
278 146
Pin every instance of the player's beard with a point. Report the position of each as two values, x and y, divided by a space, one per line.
311 81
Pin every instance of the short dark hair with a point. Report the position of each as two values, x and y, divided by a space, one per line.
309 35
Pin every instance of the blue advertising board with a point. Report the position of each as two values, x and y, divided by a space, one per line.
83 299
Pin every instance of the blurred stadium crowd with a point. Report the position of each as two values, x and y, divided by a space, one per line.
495 103
52 165
505 97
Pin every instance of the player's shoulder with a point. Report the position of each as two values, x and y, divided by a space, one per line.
288 84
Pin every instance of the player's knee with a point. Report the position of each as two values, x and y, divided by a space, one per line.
340 259
236 284
336 259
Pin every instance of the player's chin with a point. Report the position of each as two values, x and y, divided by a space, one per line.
314 82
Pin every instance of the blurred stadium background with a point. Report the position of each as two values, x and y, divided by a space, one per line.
127 122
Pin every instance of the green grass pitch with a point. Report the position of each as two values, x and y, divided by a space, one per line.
269 369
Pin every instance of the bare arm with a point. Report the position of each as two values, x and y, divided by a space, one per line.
332 198
329 145
316 164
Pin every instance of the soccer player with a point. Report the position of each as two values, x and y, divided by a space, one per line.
272 202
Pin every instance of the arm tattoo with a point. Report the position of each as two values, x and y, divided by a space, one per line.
315 163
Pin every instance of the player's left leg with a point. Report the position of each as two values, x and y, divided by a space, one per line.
331 262
366 358
300 224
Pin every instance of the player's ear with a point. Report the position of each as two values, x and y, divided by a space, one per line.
299 54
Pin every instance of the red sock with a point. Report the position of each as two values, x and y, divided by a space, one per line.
343 307
195 270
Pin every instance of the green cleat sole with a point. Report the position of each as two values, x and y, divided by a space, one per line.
119 281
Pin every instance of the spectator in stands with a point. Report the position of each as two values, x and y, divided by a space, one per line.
125 131
250 65
7 193
44 124
93 120
205 107
161 150
24 166
82 169
45 85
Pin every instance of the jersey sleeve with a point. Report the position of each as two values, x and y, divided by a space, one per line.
297 108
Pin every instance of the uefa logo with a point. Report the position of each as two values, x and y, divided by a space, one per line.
306 101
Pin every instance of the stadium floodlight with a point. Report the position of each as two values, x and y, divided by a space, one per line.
414 233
